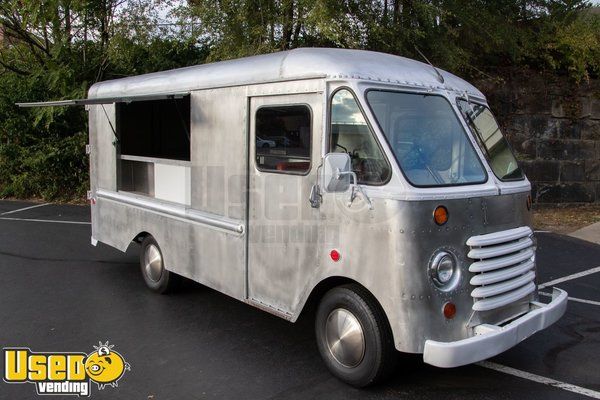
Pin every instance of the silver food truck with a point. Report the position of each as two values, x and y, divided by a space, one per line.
375 187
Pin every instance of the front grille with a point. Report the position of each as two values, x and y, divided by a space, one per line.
504 267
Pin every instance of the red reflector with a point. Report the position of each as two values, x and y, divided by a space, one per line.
335 255
449 310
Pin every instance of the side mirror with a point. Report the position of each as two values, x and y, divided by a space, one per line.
338 177
337 172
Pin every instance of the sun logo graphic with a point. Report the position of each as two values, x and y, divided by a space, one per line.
65 373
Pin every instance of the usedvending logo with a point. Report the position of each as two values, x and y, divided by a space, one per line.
65 373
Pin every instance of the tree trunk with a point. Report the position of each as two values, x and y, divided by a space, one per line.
288 24
68 29
406 12
396 17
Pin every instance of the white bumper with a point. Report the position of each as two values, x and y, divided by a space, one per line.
491 340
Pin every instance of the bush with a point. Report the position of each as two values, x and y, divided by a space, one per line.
53 169
576 49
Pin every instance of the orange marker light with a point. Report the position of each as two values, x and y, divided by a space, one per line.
449 310
528 202
440 215
335 255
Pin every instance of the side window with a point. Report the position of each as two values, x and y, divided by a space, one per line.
351 134
283 137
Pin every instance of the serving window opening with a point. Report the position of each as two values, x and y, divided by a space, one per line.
154 148
155 129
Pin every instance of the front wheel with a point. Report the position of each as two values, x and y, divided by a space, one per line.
156 276
354 337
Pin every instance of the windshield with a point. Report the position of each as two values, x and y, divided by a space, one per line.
427 138
490 138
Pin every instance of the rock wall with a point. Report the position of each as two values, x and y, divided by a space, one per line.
553 125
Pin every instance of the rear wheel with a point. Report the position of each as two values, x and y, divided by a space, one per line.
354 337
157 278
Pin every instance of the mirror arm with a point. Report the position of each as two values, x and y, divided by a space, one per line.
315 197
366 198
339 174
355 187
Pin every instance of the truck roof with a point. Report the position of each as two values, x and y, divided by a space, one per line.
302 63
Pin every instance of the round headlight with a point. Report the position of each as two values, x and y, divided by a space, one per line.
443 270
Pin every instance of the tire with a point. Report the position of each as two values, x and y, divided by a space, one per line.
157 278
358 363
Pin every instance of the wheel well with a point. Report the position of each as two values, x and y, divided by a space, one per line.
139 238
327 284
310 307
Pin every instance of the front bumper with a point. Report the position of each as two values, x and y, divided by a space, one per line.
490 340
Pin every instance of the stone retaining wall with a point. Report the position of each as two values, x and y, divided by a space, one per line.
553 125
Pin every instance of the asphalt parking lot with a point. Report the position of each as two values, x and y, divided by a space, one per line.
59 293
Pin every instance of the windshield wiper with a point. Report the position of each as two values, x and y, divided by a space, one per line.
438 179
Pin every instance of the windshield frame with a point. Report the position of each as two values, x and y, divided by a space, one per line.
479 141
467 132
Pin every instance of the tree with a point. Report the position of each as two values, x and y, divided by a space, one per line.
57 49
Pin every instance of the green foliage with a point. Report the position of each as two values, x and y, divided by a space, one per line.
576 47
158 54
49 168
57 49
463 36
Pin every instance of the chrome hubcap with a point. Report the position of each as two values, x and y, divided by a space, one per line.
153 264
345 338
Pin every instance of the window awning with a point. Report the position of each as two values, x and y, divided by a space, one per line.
104 100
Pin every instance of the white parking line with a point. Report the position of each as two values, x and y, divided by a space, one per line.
540 379
570 277
575 299
26 208
46 220
584 301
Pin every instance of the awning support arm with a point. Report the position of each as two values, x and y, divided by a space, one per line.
111 125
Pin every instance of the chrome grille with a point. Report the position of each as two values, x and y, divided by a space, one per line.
504 267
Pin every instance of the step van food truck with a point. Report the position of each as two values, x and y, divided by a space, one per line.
379 188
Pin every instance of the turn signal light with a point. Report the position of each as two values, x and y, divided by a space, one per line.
528 202
440 215
449 310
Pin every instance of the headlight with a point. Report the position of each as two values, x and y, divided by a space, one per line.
443 270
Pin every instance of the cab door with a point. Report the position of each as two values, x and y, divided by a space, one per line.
285 143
